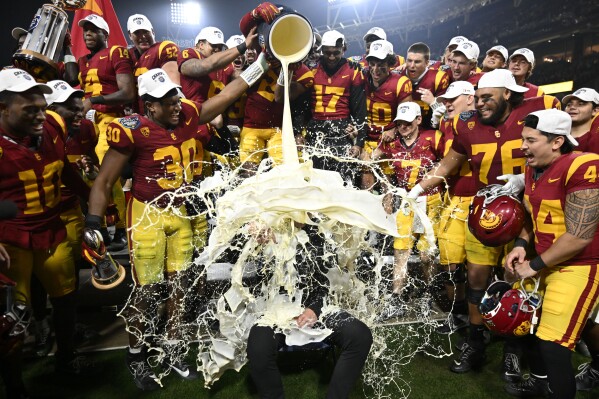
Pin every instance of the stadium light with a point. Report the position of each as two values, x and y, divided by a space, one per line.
185 13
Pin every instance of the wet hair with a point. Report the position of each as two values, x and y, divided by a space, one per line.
421 48
532 122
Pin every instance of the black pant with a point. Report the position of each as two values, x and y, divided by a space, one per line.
349 334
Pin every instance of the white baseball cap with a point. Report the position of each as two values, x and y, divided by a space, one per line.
96 20
500 78
212 35
407 112
330 38
61 91
555 121
18 32
376 31
156 83
457 40
234 41
469 49
500 49
526 53
457 88
380 49
584 94
137 22
18 81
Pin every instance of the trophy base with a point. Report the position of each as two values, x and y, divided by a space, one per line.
42 68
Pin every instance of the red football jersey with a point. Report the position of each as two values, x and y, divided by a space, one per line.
155 57
462 184
97 74
589 142
261 110
78 143
331 94
200 89
235 114
533 91
382 102
437 82
161 159
495 150
30 177
411 164
546 198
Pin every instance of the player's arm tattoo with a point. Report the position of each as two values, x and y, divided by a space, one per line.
582 213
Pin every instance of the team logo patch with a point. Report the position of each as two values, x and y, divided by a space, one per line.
173 136
467 115
522 329
130 122
471 125
34 22
489 220
145 131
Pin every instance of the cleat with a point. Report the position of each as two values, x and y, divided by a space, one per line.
453 323
588 378
511 368
181 368
142 373
471 358
531 387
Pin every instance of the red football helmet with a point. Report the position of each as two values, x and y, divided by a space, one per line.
511 311
14 317
496 217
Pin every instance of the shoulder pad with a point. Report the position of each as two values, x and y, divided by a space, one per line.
130 122
467 115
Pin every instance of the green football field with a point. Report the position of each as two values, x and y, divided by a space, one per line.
305 376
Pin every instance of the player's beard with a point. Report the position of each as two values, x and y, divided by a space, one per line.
497 115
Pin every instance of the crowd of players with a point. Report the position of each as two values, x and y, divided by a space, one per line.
440 130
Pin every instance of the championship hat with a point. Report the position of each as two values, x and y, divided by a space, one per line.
137 22
330 38
500 78
469 49
500 49
555 121
156 83
212 35
61 91
457 88
380 49
96 20
18 81
526 53
234 41
457 40
407 112
584 94
376 31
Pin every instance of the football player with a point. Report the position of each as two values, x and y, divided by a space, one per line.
371 36
496 58
106 77
489 140
32 166
463 62
458 99
562 199
411 154
444 63
427 83
147 53
583 108
160 146
521 63
384 92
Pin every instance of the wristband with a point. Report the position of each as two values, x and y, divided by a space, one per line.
69 58
435 105
520 242
241 48
97 100
94 222
537 264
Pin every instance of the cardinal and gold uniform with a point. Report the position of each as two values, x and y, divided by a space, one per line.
453 223
589 142
156 56
202 88
533 91
437 82
410 165
571 288
98 77
160 240
264 117
381 106
493 151
31 171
